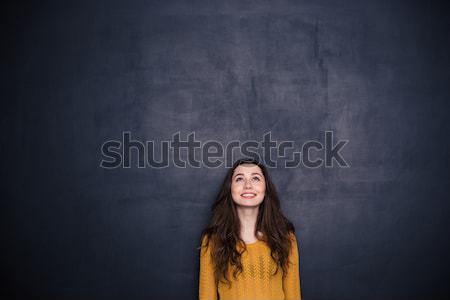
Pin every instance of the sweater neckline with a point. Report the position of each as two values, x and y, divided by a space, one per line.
253 243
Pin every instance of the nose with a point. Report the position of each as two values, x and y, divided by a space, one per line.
247 183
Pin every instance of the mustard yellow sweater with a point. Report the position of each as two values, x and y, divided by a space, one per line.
255 282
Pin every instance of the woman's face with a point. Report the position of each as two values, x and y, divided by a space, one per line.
248 185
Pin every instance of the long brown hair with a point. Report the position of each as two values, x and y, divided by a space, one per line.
223 229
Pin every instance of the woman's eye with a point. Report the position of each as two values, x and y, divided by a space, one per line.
237 179
257 178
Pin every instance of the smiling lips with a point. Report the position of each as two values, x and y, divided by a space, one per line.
248 195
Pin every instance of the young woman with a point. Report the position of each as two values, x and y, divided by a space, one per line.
249 248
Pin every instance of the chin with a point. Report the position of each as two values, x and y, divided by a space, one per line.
250 204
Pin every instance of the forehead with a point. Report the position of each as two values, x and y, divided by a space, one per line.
247 169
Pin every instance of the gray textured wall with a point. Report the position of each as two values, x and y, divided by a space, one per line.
373 72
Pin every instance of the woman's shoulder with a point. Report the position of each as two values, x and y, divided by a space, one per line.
292 236
206 238
204 243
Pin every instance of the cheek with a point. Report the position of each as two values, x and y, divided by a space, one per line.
234 189
263 188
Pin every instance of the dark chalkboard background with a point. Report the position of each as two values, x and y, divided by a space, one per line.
78 74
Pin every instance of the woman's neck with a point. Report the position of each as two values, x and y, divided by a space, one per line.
247 217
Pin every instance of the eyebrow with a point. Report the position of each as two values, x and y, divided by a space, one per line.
243 174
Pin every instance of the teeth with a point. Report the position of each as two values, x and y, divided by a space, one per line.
245 195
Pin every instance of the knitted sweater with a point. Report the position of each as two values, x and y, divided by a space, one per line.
255 282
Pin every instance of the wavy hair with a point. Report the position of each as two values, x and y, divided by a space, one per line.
223 229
